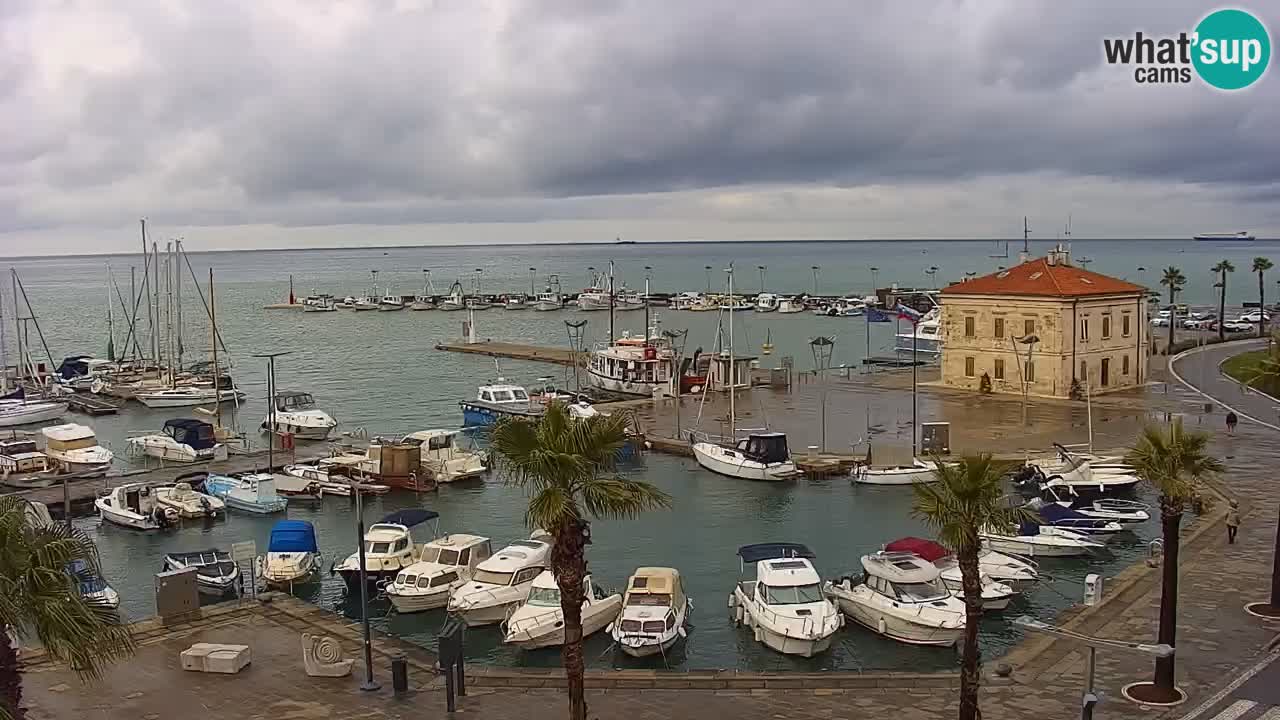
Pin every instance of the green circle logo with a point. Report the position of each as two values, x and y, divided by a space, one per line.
1232 49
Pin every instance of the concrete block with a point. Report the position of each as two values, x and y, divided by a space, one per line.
215 658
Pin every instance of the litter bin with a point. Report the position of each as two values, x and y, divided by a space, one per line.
399 674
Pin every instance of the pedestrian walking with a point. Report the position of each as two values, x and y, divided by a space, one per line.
1231 422
1233 522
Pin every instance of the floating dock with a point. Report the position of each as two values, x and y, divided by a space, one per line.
515 351
92 405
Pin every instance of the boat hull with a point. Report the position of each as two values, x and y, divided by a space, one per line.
36 412
128 520
895 476
254 507
419 603
897 628
1006 544
156 400
486 615
547 634
623 387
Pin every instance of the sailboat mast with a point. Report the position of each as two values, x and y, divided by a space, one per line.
17 331
146 291
155 302
646 309
111 333
733 410
177 302
213 331
610 302
168 311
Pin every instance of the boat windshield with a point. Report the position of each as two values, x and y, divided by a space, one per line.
650 600
520 394
491 577
378 548
920 592
545 597
792 595
444 556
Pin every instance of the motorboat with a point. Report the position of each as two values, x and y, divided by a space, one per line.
995 595
633 365
293 557
216 573
1083 480
319 303
187 396
1114 509
441 457
1010 570
784 605
684 300
626 300
92 586
843 308
253 492
767 302
184 440
22 465
919 471
596 297
548 301
1064 517
296 414
444 564
761 456
365 302
902 596
455 300
498 400
654 611
736 304
389 547
332 483
75 448
133 505
501 582
188 503
347 303
478 303
15 411
514 302
390 303
292 487
789 306
539 621
925 337
1065 459
1036 540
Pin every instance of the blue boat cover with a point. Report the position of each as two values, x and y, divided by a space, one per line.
1028 528
410 517
1054 514
773 551
196 433
293 536
85 579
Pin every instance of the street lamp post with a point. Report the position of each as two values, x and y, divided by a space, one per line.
369 684
533 292
1024 368
875 286
762 269
1090 699
707 269
822 348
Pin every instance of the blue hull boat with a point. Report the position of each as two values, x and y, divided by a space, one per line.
249 492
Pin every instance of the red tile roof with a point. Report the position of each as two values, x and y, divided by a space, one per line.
1038 277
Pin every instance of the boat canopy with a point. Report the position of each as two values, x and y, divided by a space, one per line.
409 517
196 433
765 447
927 549
900 567
773 551
88 581
293 536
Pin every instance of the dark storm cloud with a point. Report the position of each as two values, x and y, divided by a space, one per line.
449 111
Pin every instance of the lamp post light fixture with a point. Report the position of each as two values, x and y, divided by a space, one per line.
762 269
707 269
533 273
875 272
1090 699
822 348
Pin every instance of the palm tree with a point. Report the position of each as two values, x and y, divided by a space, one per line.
967 497
1175 463
40 597
1174 280
1222 268
1261 265
566 466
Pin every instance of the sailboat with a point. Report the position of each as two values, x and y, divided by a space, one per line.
761 456
15 408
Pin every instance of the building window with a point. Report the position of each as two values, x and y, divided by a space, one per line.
968 367
1084 328
1084 371
999 367
1106 371
1029 370
969 322
1124 365
1028 327
1124 324
1106 327
999 328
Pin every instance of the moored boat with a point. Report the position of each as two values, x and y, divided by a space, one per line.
444 564
216 573
293 557
539 621
902 597
133 505
654 611
75 448
761 456
252 492
187 502
785 605
501 582
296 414
184 440
389 547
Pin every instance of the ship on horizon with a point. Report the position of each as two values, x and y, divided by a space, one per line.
1209 237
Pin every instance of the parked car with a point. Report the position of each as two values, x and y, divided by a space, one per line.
1201 323
1253 316
1237 326
1160 321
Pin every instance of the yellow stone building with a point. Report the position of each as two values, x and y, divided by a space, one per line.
1047 323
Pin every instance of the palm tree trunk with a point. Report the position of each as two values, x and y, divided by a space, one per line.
1262 306
1173 318
1222 308
10 680
970 675
569 564
1170 520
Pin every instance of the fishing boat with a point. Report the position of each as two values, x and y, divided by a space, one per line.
296 414
919 471
539 621
133 505
390 303
996 595
252 492
515 302
444 565
767 302
293 557
1035 540
92 586
789 306
75 448
630 365
188 503
371 299
454 300
442 459
902 597
498 400
184 440
478 303
187 396
551 298
216 573
501 582
785 605
319 303
425 300
333 483
654 611
389 547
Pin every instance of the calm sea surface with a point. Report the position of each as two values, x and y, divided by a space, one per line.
379 372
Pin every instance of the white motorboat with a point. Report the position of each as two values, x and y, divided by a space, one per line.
478 303
684 300
187 502
1006 569
761 456
1114 509
252 492
455 300
442 459
187 396
767 302
293 557
390 303
319 303
789 306
995 595
389 547
93 587
365 303
1085 481
925 338
501 582
75 448
331 483
539 622
514 302
548 301
21 464
633 365
1060 516
902 597
1035 540
784 605
15 412
184 440
296 414
216 572
133 505
919 471
654 610
444 564
843 307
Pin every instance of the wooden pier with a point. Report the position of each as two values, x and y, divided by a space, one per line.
94 405
514 351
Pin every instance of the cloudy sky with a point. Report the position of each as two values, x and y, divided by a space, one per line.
270 123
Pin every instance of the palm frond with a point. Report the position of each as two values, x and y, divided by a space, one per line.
1174 461
617 497
966 498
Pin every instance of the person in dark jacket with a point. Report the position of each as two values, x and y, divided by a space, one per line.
1232 420
1233 522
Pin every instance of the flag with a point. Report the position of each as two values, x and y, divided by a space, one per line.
908 313
877 316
